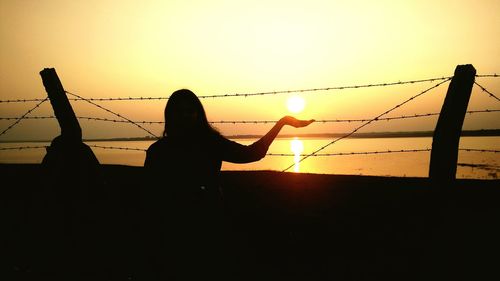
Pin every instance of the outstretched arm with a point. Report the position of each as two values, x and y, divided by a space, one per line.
268 138
238 153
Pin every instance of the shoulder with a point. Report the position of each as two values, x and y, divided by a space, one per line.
218 139
154 152
225 144
157 145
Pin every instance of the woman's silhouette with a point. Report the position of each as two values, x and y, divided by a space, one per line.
184 198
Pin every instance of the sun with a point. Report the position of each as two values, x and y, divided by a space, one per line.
295 104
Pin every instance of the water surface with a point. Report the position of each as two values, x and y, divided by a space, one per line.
415 164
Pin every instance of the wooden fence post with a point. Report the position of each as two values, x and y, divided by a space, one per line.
67 152
70 128
444 154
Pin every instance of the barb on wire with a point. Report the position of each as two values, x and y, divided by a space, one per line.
250 94
489 93
23 116
367 123
116 114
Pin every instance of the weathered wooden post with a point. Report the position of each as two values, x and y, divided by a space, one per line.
444 154
72 184
67 151
70 128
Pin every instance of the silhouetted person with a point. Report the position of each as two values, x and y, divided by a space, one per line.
183 199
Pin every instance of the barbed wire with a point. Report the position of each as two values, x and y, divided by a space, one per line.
116 147
259 121
22 147
20 100
91 99
88 118
259 93
489 93
381 152
487 75
367 123
480 166
327 88
116 114
352 153
249 94
278 154
29 117
479 150
23 116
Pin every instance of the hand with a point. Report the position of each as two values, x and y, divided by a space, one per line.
294 122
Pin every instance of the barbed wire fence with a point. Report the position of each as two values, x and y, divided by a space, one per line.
384 113
315 153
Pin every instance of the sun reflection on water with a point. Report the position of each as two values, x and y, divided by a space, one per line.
297 146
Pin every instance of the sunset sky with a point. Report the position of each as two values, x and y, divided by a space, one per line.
122 48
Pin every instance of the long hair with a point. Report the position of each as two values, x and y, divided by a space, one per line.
176 107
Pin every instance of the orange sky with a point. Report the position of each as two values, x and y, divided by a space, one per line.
151 48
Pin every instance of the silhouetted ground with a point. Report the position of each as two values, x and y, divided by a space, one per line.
285 226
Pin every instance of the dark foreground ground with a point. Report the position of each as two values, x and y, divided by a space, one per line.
285 226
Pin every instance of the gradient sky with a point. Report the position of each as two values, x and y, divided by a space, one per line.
116 48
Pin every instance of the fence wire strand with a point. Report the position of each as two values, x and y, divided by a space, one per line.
248 94
23 116
276 154
479 150
117 147
487 75
490 94
317 121
351 153
23 147
258 93
116 114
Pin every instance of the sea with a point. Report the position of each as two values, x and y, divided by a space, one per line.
353 156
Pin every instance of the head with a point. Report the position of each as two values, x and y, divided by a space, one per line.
185 115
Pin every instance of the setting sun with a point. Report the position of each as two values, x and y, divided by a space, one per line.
295 104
